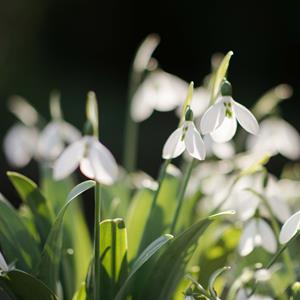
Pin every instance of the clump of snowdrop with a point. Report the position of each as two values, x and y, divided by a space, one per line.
243 295
220 120
186 137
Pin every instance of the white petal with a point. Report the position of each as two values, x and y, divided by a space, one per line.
290 228
225 131
279 208
194 143
142 103
19 145
3 264
245 118
50 144
212 118
174 146
69 160
223 150
69 132
268 240
103 163
247 242
246 204
86 168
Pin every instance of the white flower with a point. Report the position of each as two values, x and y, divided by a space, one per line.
160 91
95 161
3 264
220 120
20 144
184 137
290 228
220 150
276 136
243 295
257 232
54 137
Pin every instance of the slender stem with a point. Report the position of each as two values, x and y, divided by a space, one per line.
161 176
181 194
97 261
131 127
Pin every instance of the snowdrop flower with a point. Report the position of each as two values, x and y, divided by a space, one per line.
220 150
243 295
54 137
95 161
220 120
290 228
160 91
3 265
185 137
273 136
257 232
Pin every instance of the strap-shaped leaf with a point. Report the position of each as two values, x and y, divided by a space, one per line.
49 266
170 266
15 239
141 260
23 286
113 250
31 195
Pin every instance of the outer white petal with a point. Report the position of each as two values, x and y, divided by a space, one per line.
50 144
3 264
288 142
225 131
174 145
279 207
103 163
212 118
268 240
290 228
247 241
69 160
19 145
69 132
86 168
142 104
194 143
246 204
245 118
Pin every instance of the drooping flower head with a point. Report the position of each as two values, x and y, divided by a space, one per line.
220 120
290 228
93 158
186 137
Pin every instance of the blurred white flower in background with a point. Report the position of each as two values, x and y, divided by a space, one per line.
54 137
290 228
95 161
276 136
220 150
160 91
186 137
21 139
243 295
257 233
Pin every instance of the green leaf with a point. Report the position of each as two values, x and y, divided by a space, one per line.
31 195
220 74
51 255
75 263
25 287
113 250
141 260
169 268
213 279
81 293
16 241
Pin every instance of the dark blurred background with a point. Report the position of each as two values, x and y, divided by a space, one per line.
79 45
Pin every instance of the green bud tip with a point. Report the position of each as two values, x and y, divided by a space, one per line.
226 89
88 128
189 116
